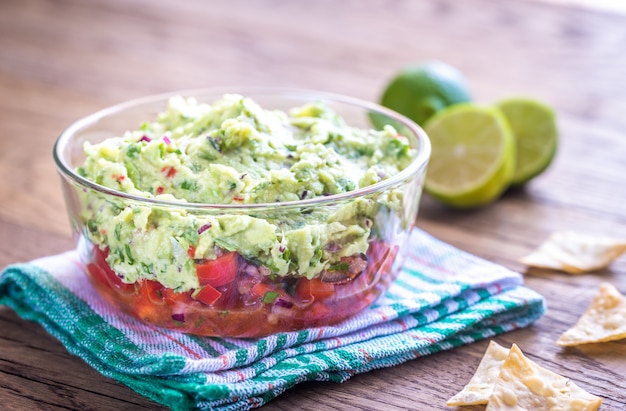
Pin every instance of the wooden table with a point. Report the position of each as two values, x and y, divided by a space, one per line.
60 60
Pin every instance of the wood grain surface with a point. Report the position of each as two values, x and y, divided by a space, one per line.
63 59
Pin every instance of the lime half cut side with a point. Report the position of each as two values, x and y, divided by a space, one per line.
536 135
473 155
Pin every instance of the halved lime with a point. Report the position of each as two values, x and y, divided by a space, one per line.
420 90
473 155
536 136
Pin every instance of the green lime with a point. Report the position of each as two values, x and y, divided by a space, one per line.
536 136
473 155
420 91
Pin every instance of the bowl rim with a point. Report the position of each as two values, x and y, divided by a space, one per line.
419 162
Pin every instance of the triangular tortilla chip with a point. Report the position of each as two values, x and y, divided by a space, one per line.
575 253
524 386
479 388
604 320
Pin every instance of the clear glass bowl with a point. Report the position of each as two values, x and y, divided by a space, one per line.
250 302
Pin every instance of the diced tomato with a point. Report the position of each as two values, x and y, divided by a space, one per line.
390 258
169 171
242 305
98 274
147 296
149 291
173 297
191 251
101 271
318 313
218 272
208 295
260 291
377 255
320 289
315 288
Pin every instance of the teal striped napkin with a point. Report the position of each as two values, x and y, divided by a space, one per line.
442 299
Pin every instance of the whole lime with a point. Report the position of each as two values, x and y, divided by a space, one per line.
421 90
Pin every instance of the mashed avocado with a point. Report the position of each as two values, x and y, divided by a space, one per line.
233 151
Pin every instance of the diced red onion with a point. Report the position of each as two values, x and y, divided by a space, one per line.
145 138
281 302
167 140
204 228
245 284
252 270
180 317
332 247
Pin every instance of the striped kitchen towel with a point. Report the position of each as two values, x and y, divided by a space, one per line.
442 299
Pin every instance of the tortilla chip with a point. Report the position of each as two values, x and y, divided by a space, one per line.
479 388
604 320
523 385
575 253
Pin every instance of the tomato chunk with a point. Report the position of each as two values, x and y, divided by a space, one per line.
173 298
218 272
191 251
232 301
258 290
315 288
207 295
149 291
266 293
101 271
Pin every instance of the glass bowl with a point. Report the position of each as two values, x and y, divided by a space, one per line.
238 293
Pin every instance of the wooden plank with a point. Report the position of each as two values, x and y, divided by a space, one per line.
38 373
63 59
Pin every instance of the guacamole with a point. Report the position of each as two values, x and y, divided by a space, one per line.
235 152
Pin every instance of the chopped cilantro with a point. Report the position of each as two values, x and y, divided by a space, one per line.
396 147
92 226
339 267
133 149
191 235
215 143
129 254
270 297
117 232
345 185
131 170
189 185
147 268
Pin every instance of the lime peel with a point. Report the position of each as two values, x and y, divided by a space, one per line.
421 90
